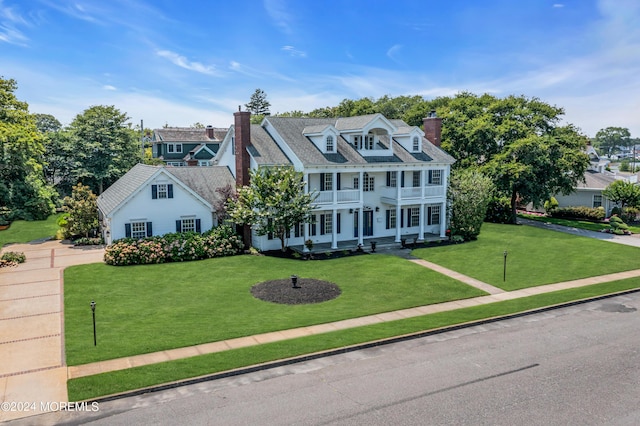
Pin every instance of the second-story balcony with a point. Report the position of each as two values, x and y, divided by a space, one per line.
413 193
342 196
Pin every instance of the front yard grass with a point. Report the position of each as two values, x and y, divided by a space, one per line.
149 308
534 256
140 377
22 231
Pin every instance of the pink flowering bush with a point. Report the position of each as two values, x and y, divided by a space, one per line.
175 247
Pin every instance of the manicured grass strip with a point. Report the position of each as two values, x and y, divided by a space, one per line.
534 256
150 308
22 231
135 378
580 224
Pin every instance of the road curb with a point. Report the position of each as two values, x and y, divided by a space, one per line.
347 349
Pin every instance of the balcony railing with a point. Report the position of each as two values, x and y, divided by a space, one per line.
343 196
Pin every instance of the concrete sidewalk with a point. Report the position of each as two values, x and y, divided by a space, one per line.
496 295
33 369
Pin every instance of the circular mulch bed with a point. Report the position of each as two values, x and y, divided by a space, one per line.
309 291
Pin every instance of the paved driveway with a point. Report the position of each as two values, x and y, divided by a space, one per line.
33 366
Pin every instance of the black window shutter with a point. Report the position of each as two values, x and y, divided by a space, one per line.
321 181
154 192
338 224
388 178
313 225
402 179
322 224
401 218
149 229
198 229
127 230
338 182
388 218
170 190
178 226
409 217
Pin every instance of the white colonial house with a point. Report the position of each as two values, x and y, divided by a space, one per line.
374 177
155 200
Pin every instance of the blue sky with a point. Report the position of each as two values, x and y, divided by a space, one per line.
181 62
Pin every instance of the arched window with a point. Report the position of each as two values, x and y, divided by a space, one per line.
330 146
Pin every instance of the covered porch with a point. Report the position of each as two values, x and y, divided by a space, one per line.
410 241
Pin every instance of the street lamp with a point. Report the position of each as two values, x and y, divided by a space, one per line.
93 312
504 272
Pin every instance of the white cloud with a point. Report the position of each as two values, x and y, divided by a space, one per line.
278 12
183 62
294 52
9 22
394 51
109 87
558 5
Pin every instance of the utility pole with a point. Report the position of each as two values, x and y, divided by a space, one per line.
141 141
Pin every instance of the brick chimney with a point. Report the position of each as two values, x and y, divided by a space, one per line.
433 128
209 130
242 139
242 120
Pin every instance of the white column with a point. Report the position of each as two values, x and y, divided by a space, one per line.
422 220
398 210
443 220
305 228
334 229
334 180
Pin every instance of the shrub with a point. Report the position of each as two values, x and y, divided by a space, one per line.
616 211
617 225
580 212
630 214
86 241
499 210
12 258
551 204
174 247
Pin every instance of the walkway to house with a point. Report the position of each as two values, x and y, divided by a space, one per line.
32 322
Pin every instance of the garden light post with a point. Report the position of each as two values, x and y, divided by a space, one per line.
504 271
294 281
93 312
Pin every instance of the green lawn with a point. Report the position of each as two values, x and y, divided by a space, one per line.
534 256
22 231
150 308
580 224
135 378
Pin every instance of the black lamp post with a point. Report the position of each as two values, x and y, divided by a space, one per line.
294 281
504 271
93 312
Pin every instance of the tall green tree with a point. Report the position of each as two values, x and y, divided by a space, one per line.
81 211
24 193
468 194
105 146
258 103
611 139
274 202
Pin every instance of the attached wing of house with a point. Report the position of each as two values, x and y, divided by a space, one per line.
152 200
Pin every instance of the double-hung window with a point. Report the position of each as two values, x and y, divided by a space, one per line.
435 177
163 190
138 230
414 216
330 146
416 144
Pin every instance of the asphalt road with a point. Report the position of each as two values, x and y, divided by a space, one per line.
572 366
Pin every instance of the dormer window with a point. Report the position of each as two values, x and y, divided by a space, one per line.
357 141
416 144
330 146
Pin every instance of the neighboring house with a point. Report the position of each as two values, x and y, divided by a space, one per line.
589 192
155 200
185 146
374 177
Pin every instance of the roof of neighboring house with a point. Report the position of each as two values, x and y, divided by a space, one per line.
202 180
188 134
595 180
129 183
292 131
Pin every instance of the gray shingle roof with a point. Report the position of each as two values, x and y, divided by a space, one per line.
204 180
124 187
292 131
264 150
187 134
595 180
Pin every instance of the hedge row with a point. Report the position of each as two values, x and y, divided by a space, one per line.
586 213
176 247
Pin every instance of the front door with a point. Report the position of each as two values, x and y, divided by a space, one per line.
367 224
